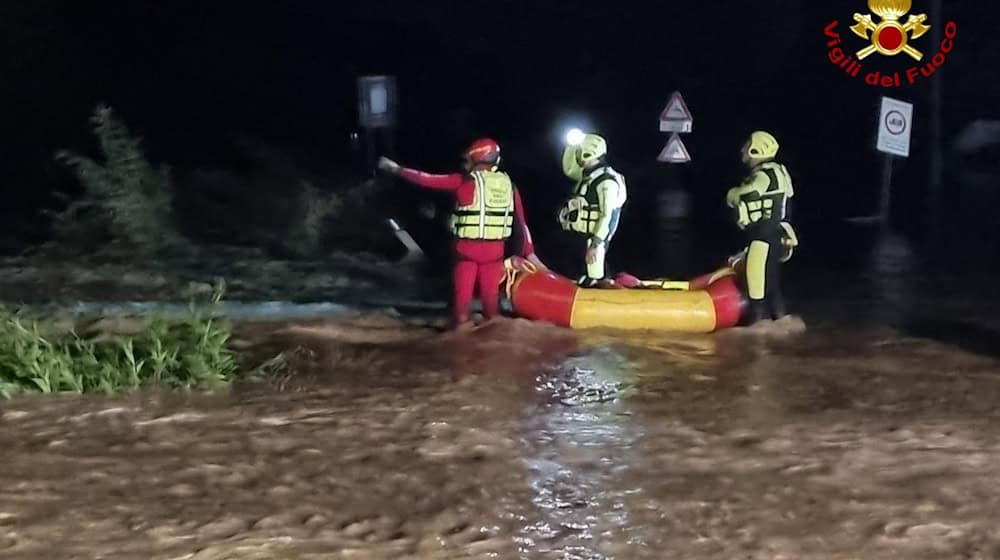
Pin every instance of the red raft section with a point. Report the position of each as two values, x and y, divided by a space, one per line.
728 301
545 296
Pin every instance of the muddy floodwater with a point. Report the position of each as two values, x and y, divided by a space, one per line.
872 434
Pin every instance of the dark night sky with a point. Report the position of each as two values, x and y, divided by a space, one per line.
187 75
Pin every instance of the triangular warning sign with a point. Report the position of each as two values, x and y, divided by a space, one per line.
674 151
676 109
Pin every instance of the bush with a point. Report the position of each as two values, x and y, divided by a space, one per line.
127 203
315 208
291 204
286 202
36 357
361 224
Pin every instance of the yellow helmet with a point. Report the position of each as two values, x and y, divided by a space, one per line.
570 167
593 147
579 156
762 145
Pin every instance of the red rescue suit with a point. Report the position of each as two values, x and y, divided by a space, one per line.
478 262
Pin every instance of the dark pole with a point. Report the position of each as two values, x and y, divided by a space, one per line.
390 141
884 213
370 140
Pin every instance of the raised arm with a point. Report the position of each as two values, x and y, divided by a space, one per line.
448 182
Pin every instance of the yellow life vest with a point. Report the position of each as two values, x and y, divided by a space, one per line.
582 212
764 196
490 217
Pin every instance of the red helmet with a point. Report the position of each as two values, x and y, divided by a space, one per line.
484 150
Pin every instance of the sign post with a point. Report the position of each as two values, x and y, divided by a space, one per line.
675 118
895 124
672 202
376 110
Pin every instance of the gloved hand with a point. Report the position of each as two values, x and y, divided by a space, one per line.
569 213
789 241
387 165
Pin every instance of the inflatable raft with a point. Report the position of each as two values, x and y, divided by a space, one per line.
702 305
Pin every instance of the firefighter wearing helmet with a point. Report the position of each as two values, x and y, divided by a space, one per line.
761 204
594 209
488 211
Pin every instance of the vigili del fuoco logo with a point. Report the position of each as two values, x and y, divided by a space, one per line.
886 34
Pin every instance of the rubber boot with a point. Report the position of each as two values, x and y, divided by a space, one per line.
777 308
756 311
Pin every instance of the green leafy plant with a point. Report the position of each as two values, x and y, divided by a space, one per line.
189 353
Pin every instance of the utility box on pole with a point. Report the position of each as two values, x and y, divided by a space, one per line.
377 108
377 101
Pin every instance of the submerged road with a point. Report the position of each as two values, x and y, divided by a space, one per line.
874 433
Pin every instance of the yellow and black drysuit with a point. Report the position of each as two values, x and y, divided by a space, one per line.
762 207
596 205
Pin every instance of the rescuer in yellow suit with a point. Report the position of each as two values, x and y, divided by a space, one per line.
595 208
761 204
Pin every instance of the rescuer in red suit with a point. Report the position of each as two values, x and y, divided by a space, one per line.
488 209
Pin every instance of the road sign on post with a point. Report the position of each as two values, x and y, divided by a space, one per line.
676 119
895 124
377 110
675 151
675 116
377 101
